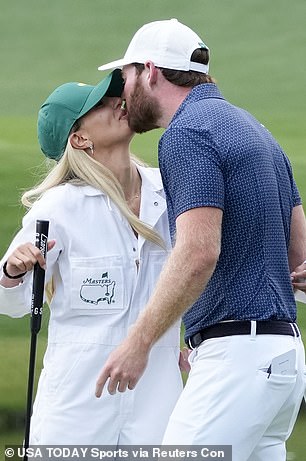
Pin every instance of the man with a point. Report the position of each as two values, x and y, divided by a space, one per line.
237 225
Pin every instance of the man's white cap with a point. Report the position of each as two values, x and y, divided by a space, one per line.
168 44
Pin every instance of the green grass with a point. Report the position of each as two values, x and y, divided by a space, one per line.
257 57
14 359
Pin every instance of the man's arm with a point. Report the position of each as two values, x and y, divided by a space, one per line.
297 248
184 277
297 245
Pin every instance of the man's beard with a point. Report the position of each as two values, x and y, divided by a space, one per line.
143 112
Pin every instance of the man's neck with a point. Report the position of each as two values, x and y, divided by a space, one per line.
171 97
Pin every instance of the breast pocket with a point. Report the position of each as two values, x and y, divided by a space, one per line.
99 285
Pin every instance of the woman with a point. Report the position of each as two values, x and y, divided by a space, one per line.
108 240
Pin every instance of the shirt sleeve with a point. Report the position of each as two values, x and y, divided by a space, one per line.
296 197
191 170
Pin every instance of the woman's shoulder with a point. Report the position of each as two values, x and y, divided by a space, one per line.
61 197
60 194
60 205
68 193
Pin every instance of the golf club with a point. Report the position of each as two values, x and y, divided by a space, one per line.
42 228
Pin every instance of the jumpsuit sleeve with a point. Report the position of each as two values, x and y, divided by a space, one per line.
16 301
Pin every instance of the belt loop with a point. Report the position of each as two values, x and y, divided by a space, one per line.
253 330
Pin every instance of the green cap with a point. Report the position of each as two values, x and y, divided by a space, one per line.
67 104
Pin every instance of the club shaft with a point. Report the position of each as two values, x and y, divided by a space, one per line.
42 228
30 391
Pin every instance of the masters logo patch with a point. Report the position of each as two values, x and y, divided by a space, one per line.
94 291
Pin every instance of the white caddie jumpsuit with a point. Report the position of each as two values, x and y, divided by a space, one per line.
103 277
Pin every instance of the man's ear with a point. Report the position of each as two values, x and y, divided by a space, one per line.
79 141
152 72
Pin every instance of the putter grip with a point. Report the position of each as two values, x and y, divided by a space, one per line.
42 229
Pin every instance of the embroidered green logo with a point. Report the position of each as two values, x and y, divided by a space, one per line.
202 45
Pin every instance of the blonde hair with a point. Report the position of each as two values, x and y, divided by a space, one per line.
77 167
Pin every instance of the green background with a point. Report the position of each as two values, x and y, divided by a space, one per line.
257 56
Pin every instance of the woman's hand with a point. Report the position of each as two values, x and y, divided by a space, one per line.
183 360
22 260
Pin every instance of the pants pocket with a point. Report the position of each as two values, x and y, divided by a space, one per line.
65 358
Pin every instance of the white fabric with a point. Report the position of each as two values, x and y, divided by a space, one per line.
230 399
168 44
300 296
99 294
12 300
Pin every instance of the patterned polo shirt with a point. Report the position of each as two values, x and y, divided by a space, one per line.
216 154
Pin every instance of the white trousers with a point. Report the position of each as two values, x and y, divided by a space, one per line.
230 399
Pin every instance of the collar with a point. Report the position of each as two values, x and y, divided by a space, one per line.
198 93
151 179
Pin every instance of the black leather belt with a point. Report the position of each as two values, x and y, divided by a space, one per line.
243 327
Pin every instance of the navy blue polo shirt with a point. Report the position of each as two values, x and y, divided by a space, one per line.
216 154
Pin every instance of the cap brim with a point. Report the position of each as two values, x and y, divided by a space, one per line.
113 64
112 86
116 85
